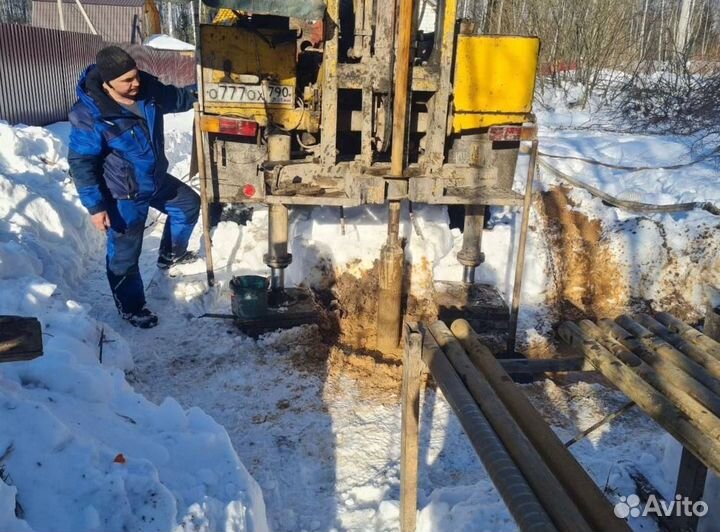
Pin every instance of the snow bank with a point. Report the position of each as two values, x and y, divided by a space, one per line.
79 449
165 42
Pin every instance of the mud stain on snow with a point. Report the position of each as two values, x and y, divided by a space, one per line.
349 331
589 283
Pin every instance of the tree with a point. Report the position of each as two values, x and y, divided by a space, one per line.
15 11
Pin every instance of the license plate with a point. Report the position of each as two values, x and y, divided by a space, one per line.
245 93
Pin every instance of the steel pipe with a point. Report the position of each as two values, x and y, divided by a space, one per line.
665 378
656 405
677 358
663 365
556 502
691 334
711 364
509 481
471 256
390 275
277 257
584 492
692 350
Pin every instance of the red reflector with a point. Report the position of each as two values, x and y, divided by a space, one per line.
505 133
512 133
246 128
249 190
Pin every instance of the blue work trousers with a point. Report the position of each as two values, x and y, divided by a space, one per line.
125 235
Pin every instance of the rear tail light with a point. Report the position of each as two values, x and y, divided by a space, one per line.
229 126
249 190
512 133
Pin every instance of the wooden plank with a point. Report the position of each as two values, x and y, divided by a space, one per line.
20 338
412 370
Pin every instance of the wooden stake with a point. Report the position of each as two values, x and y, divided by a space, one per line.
412 370
200 150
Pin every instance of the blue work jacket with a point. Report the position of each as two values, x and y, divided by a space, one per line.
114 153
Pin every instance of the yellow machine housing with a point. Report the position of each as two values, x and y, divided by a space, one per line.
236 55
494 80
327 102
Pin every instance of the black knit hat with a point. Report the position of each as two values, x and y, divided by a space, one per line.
113 62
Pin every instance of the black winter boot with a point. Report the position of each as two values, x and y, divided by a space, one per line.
166 261
144 319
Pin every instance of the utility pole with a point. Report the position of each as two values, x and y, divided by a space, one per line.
193 21
60 14
170 19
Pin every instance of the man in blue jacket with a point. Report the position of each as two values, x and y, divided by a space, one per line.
117 161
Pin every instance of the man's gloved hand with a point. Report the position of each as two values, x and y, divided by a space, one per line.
101 221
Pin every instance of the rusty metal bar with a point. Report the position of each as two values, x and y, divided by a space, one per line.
509 481
277 258
556 502
656 405
584 492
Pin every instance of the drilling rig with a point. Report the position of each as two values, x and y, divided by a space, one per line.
347 102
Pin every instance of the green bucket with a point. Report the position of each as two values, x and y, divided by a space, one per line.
248 296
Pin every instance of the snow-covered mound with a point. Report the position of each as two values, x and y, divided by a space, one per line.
79 449
165 42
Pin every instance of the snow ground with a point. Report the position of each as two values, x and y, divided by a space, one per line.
79 448
322 444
